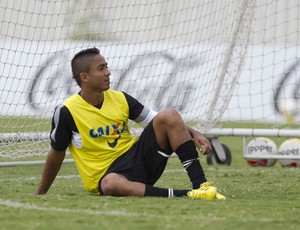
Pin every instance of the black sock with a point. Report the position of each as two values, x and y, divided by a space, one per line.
180 193
164 192
188 156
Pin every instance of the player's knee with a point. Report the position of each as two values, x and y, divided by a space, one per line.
109 184
169 117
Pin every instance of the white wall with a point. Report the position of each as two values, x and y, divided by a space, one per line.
274 21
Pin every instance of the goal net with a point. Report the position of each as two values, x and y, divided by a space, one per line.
214 61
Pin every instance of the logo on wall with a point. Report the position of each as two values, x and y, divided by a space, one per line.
155 79
286 97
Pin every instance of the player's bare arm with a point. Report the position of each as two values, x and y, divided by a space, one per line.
51 168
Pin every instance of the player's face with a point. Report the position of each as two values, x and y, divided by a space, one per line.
98 76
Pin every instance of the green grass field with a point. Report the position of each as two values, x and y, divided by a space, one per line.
257 198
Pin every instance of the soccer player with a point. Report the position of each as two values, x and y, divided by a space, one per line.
93 124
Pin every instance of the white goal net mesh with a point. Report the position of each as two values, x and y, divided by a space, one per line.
190 55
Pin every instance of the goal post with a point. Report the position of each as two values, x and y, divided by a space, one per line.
216 62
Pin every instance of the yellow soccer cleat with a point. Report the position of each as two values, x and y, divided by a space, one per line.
205 192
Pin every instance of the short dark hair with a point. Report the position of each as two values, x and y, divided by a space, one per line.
81 63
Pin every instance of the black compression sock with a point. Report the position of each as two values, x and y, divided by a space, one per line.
164 192
188 156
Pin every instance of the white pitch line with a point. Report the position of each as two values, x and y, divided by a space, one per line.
37 178
221 169
16 204
68 176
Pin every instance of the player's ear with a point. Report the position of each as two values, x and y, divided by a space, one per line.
83 77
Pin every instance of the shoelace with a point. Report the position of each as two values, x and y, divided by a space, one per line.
206 185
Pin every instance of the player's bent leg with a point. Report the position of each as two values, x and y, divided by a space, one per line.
170 129
114 184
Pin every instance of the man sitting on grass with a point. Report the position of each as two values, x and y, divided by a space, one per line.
93 124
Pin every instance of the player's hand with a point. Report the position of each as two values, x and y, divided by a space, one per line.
202 143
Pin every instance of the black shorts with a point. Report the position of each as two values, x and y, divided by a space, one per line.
144 162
